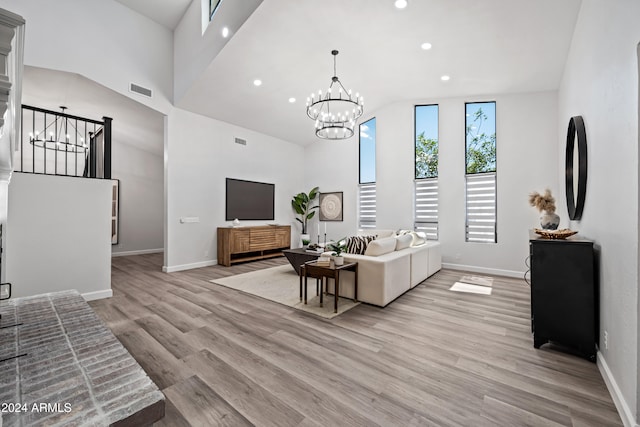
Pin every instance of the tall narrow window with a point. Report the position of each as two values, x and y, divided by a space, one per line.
213 7
481 218
367 187
426 168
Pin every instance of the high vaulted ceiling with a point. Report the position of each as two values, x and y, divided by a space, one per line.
485 46
165 12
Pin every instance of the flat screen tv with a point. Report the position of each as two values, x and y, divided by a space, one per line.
249 200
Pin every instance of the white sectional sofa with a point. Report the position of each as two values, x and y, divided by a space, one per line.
383 278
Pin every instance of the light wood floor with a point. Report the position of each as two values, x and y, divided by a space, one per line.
433 357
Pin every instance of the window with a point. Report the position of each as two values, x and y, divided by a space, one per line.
367 187
213 7
480 152
426 170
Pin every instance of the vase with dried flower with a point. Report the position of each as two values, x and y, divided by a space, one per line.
546 205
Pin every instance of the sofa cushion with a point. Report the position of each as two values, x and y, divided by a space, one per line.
403 241
381 246
358 244
378 233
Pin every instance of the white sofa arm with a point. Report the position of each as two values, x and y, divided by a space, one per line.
381 279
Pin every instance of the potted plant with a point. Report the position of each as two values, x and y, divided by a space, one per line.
302 205
546 204
337 248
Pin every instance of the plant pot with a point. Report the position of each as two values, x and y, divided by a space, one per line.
549 220
338 260
305 239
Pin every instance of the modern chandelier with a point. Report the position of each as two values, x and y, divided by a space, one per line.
336 111
58 137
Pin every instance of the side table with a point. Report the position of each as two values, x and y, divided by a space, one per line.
310 269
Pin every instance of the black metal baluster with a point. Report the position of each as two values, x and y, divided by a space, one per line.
33 146
44 142
55 146
21 140
76 155
107 147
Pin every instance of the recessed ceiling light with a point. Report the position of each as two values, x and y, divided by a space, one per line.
225 32
401 4
292 100
426 46
445 78
257 82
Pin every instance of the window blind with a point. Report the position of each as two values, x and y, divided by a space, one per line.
481 208
426 207
367 206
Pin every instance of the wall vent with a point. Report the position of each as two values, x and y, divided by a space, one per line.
241 141
140 90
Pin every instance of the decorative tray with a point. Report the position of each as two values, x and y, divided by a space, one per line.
555 234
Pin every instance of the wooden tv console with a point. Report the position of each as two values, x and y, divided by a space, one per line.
239 244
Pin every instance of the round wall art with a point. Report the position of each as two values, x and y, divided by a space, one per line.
331 206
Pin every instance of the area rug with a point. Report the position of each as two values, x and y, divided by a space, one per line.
281 284
474 285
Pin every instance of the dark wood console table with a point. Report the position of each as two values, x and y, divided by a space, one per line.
239 244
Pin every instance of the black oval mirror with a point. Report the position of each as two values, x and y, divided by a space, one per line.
576 167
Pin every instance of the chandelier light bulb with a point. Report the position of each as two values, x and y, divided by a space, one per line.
400 4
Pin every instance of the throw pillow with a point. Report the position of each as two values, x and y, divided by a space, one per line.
381 246
419 238
358 244
403 241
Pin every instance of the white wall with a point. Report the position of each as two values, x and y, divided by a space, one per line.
200 154
333 166
58 235
526 161
102 40
195 49
141 213
601 83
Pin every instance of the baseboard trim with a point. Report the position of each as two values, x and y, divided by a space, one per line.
140 252
174 268
485 270
621 405
90 296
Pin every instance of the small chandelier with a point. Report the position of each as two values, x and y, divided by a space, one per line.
336 111
59 138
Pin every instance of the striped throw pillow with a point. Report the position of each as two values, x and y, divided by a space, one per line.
358 244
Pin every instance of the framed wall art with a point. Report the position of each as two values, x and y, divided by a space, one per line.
331 206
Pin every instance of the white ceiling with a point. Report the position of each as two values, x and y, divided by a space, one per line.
165 12
486 46
133 123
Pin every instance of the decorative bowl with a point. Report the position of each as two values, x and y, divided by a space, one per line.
555 234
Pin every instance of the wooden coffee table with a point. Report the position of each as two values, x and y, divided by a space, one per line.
310 269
